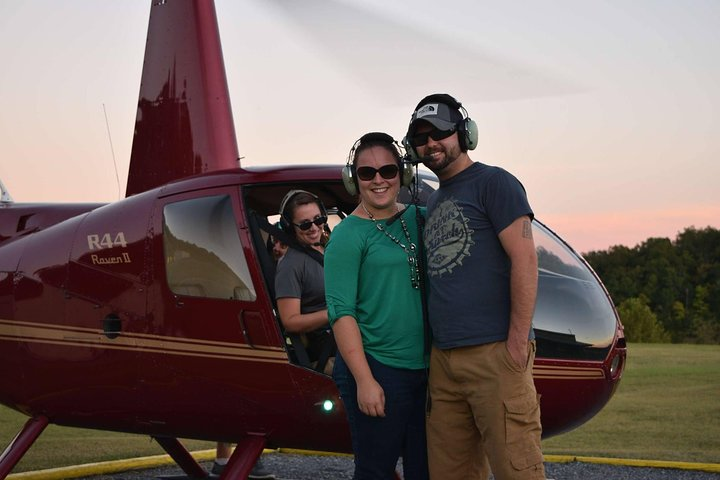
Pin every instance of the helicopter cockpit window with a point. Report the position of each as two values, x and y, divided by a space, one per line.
573 316
203 253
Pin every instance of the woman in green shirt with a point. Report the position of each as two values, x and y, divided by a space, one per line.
374 306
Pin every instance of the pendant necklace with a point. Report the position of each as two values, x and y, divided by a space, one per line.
409 250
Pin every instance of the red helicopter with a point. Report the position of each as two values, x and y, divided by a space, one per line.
155 315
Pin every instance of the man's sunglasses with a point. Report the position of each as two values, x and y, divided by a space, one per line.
420 139
368 173
319 221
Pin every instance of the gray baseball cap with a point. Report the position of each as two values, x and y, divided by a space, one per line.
441 116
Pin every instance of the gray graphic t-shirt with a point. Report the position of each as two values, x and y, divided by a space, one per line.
468 270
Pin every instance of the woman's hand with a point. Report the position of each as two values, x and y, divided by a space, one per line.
371 398
370 395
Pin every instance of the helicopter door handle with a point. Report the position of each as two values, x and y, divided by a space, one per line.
243 328
112 326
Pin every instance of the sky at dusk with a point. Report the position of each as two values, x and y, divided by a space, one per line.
607 111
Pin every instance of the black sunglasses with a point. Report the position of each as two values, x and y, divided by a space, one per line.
319 221
386 171
420 139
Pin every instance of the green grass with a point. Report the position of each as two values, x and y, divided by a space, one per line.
666 408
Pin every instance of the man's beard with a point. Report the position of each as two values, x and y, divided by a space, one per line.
449 157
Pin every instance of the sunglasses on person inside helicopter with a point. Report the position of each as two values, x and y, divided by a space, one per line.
319 221
386 171
420 139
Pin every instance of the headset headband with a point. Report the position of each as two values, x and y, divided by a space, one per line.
444 98
290 195
373 138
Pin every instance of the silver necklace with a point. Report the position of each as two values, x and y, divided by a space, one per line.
410 250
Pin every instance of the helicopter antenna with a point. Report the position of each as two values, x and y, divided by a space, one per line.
112 150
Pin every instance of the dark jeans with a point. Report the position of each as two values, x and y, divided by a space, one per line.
378 442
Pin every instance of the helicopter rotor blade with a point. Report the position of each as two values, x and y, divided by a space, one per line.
394 59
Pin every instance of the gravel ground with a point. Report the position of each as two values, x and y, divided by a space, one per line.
306 467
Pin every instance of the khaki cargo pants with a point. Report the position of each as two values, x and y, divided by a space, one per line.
483 407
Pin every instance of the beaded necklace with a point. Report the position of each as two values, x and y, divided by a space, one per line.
410 250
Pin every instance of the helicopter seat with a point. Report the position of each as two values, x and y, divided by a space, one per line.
188 289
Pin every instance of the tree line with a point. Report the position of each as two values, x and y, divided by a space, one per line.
665 290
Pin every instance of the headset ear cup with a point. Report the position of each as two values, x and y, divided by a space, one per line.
471 134
408 173
284 225
349 180
409 148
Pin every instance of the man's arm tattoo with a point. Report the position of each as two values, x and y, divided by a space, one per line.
527 229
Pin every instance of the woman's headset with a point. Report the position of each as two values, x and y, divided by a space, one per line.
466 127
285 222
368 140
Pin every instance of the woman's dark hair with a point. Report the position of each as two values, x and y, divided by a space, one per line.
376 139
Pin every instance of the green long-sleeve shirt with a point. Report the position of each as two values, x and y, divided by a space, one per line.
367 276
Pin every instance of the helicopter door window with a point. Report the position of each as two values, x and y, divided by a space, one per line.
203 253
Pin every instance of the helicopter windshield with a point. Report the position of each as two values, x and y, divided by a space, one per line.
574 317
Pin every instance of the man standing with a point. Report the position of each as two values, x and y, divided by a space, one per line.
482 284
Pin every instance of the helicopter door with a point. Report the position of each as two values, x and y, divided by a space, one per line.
211 327
208 289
